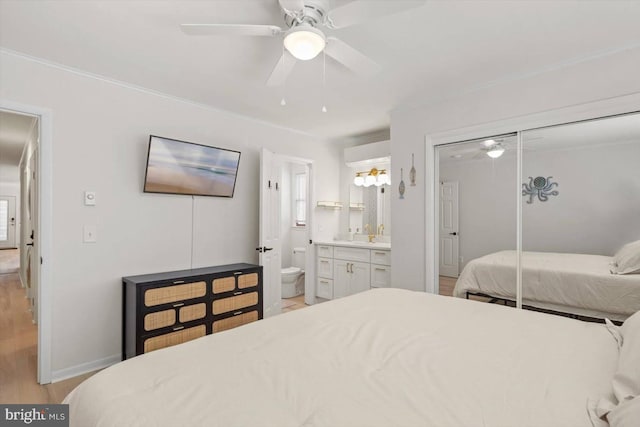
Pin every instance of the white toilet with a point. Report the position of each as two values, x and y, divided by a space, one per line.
293 277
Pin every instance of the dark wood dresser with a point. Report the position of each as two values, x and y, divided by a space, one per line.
165 309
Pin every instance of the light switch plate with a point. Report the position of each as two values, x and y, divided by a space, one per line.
89 198
90 234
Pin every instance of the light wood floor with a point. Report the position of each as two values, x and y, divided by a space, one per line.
295 303
18 344
446 285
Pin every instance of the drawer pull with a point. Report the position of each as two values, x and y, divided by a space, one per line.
177 282
177 328
381 269
324 281
180 304
379 253
238 293
237 312
325 262
238 273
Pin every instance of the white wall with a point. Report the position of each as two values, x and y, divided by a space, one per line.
598 79
595 211
100 136
486 205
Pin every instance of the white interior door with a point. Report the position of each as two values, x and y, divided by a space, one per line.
270 244
310 261
449 229
7 222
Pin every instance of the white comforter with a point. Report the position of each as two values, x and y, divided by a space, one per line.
385 357
574 283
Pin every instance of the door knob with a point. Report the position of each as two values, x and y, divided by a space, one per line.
453 234
266 249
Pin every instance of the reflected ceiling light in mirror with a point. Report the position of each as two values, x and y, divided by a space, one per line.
489 142
495 151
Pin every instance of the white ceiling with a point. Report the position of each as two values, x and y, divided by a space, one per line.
14 131
425 54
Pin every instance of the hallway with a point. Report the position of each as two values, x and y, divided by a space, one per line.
18 343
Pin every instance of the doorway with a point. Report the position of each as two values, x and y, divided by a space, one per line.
25 175
286 218
449 235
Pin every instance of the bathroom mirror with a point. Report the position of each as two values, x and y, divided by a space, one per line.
370 207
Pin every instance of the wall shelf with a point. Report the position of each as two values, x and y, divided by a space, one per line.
330 205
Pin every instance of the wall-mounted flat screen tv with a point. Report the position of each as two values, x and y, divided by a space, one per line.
180 167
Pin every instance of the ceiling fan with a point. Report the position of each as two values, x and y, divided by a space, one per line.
303 38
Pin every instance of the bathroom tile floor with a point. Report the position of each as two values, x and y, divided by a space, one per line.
295 303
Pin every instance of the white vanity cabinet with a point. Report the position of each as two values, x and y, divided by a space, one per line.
344 269
350 278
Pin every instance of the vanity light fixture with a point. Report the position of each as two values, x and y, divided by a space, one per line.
374 176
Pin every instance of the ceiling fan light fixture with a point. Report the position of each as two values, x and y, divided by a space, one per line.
496 151
304 42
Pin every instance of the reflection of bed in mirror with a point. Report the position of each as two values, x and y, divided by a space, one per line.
575 284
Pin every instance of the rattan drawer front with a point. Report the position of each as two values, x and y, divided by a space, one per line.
224 284
192 312
160 319
174 293
235 321
226 305
248 280
174 338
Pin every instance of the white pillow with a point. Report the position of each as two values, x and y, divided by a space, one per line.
626 414
626 380
627 260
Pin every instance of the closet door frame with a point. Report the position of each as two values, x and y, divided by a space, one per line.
588 111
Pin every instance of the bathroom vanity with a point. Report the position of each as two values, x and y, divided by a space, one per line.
346 268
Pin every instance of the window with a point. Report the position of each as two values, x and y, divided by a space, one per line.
300 199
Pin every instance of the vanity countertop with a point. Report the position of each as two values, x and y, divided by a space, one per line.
357 244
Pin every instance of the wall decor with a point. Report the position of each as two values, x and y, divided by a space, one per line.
412 173
541 187
401 186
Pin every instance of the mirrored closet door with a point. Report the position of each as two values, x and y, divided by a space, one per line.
580 206
476 218
548 217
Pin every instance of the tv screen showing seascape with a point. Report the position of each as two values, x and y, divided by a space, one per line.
179 167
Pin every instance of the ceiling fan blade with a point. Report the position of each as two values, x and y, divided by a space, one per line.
230 30
292 5
350 58
360 11
281 71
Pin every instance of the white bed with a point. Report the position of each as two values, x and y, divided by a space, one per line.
570 283
385 357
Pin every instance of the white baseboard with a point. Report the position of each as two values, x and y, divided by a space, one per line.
83 368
